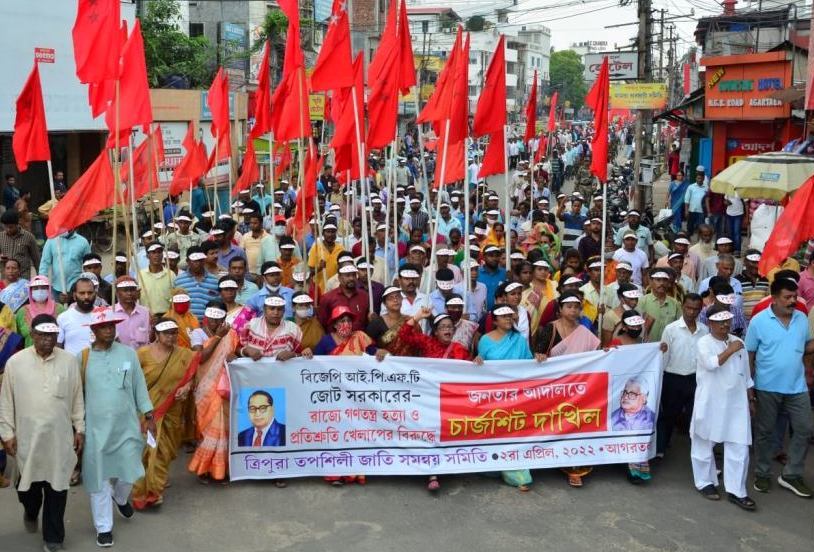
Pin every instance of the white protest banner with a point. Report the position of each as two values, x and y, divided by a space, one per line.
348 415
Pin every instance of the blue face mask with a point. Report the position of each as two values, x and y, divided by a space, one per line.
304 312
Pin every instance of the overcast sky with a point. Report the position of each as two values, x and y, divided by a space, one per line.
581 20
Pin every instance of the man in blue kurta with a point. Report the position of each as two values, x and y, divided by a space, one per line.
62 261
115 396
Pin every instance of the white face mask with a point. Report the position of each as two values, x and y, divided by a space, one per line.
273 288
39 295
279 230
304 312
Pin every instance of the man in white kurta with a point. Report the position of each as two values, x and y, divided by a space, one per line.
42 423
721 411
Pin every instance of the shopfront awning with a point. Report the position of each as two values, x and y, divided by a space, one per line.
678 113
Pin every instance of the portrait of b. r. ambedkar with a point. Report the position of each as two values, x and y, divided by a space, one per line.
265 430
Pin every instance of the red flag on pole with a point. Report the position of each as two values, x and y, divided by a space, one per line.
388 46
454 164
489 117
494 160
158 145
193 165
93 192
291 118
30 140
249 171
293 50
383 105
345 133
406 59
134 91
306 194
597 99
218 102
794 226
282 158
531 111
458 113
96 41
144 169
552 112
262 111
437 106
333 69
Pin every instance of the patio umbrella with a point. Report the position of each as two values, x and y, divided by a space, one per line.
765 176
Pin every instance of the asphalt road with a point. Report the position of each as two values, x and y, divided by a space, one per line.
471 513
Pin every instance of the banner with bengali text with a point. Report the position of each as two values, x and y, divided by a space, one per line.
415 416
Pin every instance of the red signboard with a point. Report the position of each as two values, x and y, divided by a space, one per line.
527 408
45 55
743 90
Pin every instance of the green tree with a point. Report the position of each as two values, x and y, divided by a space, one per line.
566 73
476 23
171 53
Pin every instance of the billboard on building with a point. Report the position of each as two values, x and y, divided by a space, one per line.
741 87
42 29
621 65
322 10
234 50
651 95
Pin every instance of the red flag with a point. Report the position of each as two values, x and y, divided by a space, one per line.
192 167
383 105
262 111
494 159
144 169
134 91
542 146
96 41
30 140
388 46
291 118
597 99
333 68
282 158
293 50
158 145
102 93
218 102
437 106
93 192
406 60
455 160
306 194
552 113
345 131
249 172
794 226
459 102
488 117
531 111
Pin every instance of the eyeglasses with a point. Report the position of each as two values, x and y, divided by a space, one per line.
259 409
631 395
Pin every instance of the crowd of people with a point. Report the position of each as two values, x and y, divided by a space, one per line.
96 363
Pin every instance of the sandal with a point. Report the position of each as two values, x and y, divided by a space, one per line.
338 483
280 483
745 502
433 484
523 488
574 479
204 479
710 492
76 478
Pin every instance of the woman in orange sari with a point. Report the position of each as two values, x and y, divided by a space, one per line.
169 371
342 340
217 342
187 324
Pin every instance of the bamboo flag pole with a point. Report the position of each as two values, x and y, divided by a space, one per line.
438 208
216 202
116 175
506 198
602 253
132 188
58 238
467 255
365 192
274 246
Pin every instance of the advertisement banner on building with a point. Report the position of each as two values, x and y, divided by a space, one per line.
738 149
621 65
651 95
233 50
743 90
343 415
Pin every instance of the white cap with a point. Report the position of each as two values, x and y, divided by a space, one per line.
700 168
542 263
272 270
754 257
630 235
197 256
91 262
445 252
418 248
148 234
166 325
154 246
381 227
228 284
633 321
595 264
46 327
121 259
572 280
215 313
302 299
127 284
517 256
183 218
174 255
721 316
329 226
660 274
288 246
445 284
274 301
683 241
571 299
513 286
726 299
181 298
632 293
491 249
455 301
624 266
723 241
300 276
216 231
348 269
503 311
408 273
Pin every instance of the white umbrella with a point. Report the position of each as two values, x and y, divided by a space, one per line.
765 176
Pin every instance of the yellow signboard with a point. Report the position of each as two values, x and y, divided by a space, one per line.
638 96
433 64
316 106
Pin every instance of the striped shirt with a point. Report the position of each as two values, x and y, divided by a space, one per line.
200 291
753 292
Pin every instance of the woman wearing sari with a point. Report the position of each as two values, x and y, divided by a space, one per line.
504 342
567 336
384 329
40 301
227 288
179 312
15 289
217 342
630 332
540 292
312 331
169 371
343 341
